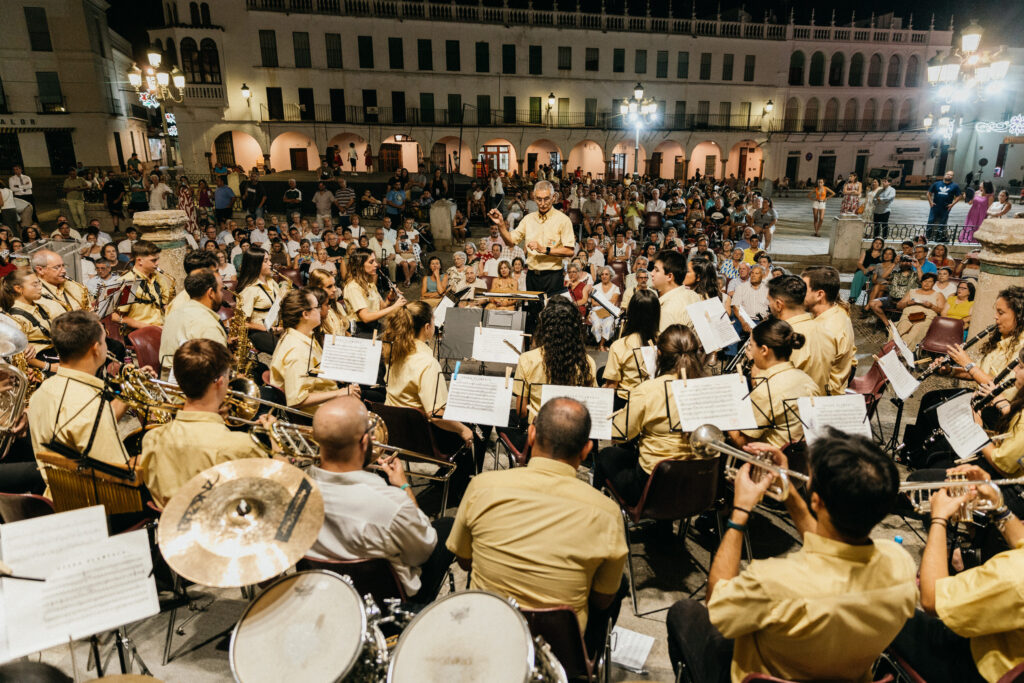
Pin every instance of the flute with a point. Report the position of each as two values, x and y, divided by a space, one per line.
944 359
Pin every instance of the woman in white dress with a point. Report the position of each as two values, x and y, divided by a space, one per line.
1000 207
602 322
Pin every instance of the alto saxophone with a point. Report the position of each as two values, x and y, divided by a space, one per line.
33 376
243 354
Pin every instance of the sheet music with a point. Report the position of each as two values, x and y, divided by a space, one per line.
712 324
956 418
905 351
107 301
599 402
720 400
650 356
745 317
903 383
479 399
846 412
441 311
350 359
275 309
489 345
33 547
630 649
601 298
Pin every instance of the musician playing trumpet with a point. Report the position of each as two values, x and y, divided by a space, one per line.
972 624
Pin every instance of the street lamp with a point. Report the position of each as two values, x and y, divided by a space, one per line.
155 85
638 111
769 107
246 94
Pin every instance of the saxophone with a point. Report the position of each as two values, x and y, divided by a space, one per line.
34 377
243 352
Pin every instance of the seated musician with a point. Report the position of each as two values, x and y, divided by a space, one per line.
649 415
834 319
826 611
195 319
197 438
60 294
568 545
153 292
777 382
69 413
667 277
194 260
335 319
367 517
362 299
297 356
19 298
972 624
255 294
786 296
624 369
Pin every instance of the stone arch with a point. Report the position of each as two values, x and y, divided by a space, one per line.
912 78
668 156
291 145
796 68
835 69
500 154
892 75
830 121
792 115
707 158
875 71
867 118
887 121
542 152
745 160
850 115
394 153
588 156
237 148
445 153
906 118
811 115
622 159
341 142
856 77
816 74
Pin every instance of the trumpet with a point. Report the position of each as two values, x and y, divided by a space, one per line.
708 439
920 493
945 358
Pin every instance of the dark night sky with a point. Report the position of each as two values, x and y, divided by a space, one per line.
998 18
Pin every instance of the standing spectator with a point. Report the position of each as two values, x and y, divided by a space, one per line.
292 196
113 195
978 211
820 194
135 164
851 195
254 196
344 199
158 193
187 203
137 199
497 191
223 198
368 158
21 185
883 204
323 199
353 156
8 212
73 189
942 196
417 183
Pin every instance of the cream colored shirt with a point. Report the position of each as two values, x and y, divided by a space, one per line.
190 443
257 298
37 332
356 299
295 355
532 372
774 407
417 382
552 230
177 301
839 328
824 612
540 535
191 320
673 307
622 365
1008 455
334 323
814 356
986 604
998 358
152 297
69 296
649 417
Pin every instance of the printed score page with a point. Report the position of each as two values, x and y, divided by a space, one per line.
847 413
599 402
712 324
903 383
350 359
719 400
479 399
489 345
956 418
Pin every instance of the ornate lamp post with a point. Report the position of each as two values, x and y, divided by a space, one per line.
154 87
638 112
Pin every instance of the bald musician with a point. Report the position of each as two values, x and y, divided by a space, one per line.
833 318
667 278
826 611
197 438
366 516
786 296
194 260
540 535
197 318
153 292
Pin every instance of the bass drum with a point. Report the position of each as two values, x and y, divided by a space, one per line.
470 637
312 627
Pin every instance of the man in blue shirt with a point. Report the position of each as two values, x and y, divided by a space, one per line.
942 196
394 202
223 199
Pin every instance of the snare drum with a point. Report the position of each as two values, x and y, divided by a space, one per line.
469 637
311 626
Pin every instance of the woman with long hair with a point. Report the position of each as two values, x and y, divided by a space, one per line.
851 195
334 319
679 354
204 201
865 267
19 293
227 272
940 257
362 299
187 203
435 283
980 203
778 383
256 292
702 278
625 369
881 274
298 354
919 306
504 282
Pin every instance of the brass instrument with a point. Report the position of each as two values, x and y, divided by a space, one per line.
157 400
243 351
13 342
945 358
282 279
920 493
381 449
708 439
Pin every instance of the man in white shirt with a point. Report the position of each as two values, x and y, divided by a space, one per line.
366 517
390 233
292 245
65 232
8 210
101 236
125 245
21 186
751 296
227 235
159 191
323 199
313 235
355 227
104 277
743 275
491 267
384 250
259 237
594 255
657 204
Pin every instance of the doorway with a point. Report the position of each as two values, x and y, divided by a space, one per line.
390 158
860 166
61 150
531 162
742 175
617 167
827 169
438 156
793 169
655 169
224 149
710 165
908 169
496 156
297 155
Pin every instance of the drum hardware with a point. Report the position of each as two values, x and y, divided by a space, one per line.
920 493
240 522
946 358
708 439
13 343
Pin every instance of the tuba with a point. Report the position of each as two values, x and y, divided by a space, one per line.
13 343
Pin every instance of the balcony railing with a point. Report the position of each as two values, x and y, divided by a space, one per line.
471 116
839 126
596 21
51 105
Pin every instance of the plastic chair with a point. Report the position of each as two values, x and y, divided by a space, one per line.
146 343
942 333
516 458
15 507
653 221
560 629
1014 675
618 273
292 275
765 678
871 385
676 489
375 576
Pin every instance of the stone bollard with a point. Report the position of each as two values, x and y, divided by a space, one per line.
441 222
845 242
1002 265
166 229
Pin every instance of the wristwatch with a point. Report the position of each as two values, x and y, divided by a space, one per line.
548 251
969 367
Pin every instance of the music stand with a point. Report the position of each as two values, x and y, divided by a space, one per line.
677 427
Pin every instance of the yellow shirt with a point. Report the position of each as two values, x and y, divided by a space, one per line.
825 611
178 301
774 408
151 298
191 320
64 409
257 298
649 417
417 382
532 372
356 299
1008 455
36 329
998 358
69 296
673 307
295 355
986 604
192 442
838 327
749 254
814 357
540 535
553 230
334 323
622 366
959 309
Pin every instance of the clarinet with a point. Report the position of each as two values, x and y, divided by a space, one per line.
1002 383
944 359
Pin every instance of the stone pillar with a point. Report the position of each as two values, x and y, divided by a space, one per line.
166 229
441 222
1002 265
847 234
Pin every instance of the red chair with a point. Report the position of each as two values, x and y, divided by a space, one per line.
15 507
871 385
292 274
1014 675
146 343
516 458
375 576
229 298
560 629
489 281
765 678
942 333
676 489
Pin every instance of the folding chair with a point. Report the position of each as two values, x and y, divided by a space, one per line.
560 629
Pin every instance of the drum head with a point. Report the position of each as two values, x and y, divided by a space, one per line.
305 627
465 637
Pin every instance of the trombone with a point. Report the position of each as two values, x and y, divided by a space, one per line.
381 449
920 493
708 439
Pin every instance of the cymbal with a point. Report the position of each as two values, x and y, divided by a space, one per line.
240 522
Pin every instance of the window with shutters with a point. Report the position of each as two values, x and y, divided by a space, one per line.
455 108
683 66
705 66
564 58
593 59
619 60
640 62
748 68
425 54
483 58
396 55
332 41
727 62
508 59
483 110
268 48
452 56
300 43
51 99
536 60
426 107
661 69
365 46
38 29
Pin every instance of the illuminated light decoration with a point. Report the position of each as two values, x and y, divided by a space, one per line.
172 131
171 121
147 100
1014 126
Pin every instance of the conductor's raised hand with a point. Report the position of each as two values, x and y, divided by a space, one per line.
496 218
